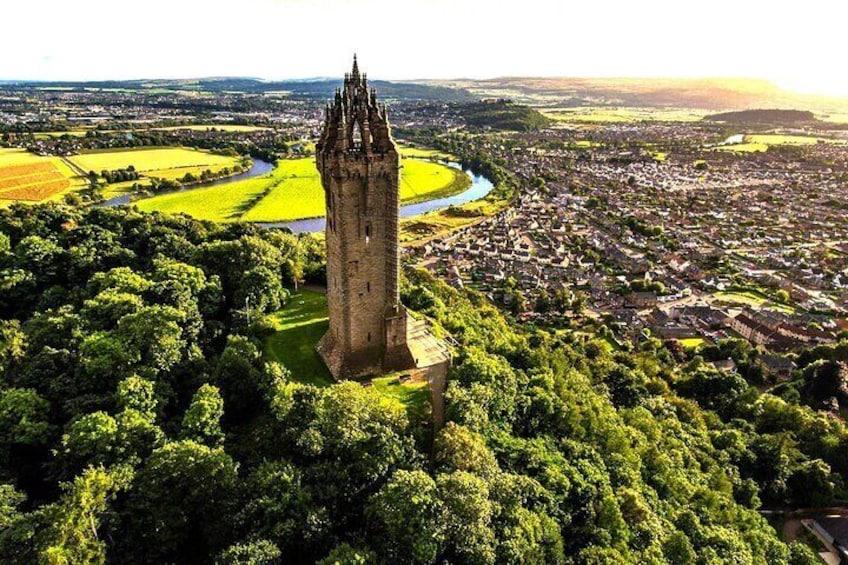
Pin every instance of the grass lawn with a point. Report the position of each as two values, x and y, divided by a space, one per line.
747 298
293 191
692 342
753 299
150 159
415 396
299 327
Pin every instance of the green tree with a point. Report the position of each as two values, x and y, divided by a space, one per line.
259 552
405 519
202 420
459 449
467 518
74 521
180 507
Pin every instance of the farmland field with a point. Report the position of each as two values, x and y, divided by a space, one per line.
293 191
154 159
761 142
421 153
29 177
219 127
220 203
612 114
745 147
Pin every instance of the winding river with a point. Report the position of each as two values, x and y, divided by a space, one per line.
259 168
480 187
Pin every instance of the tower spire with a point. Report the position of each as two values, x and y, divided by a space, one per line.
355 72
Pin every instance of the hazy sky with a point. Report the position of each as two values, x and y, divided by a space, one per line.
801 45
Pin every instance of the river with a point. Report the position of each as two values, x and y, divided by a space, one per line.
259 168
480 187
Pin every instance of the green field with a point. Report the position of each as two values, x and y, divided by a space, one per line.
761 142
299 327
692 342
612 114
219 127
293 191
745 147
422 153
219 203
751 298
153 159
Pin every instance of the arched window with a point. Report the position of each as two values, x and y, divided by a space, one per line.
357 133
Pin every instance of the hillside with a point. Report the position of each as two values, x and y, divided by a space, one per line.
783 117
141 423
503 115
708 93
318 89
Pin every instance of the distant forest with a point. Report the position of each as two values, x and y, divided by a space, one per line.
764 117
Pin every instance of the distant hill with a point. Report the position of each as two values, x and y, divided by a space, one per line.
717 94
503 115
764 117
319 89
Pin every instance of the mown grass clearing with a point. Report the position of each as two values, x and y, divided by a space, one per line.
300 326
747 297
150 159
293 191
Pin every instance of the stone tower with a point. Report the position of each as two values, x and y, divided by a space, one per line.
359 166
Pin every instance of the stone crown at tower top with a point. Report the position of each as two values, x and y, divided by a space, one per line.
354 121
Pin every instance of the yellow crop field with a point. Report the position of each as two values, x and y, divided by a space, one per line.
29 177
612 114
151 159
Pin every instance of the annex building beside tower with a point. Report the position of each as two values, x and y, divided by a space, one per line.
370 331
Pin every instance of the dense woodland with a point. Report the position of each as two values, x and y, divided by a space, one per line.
139 422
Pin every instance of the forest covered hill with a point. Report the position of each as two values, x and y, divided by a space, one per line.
141 423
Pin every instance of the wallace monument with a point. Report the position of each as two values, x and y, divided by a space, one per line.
370 332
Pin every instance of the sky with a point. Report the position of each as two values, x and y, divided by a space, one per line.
799 45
